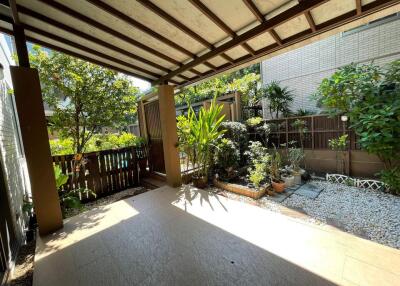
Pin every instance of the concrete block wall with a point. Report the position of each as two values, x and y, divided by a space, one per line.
303 69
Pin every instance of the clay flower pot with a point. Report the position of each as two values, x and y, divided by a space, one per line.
289 180
200 182
278 187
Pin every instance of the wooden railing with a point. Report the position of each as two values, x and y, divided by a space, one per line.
103 172
320 129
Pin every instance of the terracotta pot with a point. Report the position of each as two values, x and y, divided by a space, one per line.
278 187
200 182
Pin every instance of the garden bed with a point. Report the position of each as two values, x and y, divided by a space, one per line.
372 215
241 189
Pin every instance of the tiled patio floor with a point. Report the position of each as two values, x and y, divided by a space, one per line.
190 237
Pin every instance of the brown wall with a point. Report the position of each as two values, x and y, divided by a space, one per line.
362 164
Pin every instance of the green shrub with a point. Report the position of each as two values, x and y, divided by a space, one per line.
61 146
392 179
254 121
258 174
226 155
237 133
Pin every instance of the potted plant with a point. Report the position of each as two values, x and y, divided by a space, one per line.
275 174
197 136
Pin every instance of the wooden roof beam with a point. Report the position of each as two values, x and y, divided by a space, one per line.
221 24
79 33
283 17
65 9
310 21
161 13
123 17
358 7
321 28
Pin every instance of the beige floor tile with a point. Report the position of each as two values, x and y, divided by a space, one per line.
189 237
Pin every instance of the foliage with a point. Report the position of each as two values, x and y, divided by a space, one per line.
254 121
257 174
243 83
61 146
295 156
275 165
83 96
391 178
304 112
97 142
61 178
264 131
259 162
279 99
301 126
199 134
370 96
237 132
339 144
347 87
226 156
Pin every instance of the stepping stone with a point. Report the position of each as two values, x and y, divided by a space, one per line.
308 190
279 197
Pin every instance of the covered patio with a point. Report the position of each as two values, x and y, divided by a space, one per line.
177 235
186 236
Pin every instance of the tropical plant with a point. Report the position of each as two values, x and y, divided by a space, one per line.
198 135
69 199
226 157
279 99
304 112
83 96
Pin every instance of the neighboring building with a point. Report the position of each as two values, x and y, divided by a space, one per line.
14 182
303 69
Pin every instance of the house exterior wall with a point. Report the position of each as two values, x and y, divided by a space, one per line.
11 152
303 69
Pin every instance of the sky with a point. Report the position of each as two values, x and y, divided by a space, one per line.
141 84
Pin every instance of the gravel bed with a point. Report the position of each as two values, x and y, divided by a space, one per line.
369 214
105 201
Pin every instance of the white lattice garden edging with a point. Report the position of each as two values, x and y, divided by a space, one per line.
364 184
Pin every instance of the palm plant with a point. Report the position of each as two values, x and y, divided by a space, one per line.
198 134
279 99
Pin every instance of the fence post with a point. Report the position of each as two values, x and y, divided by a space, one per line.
312 132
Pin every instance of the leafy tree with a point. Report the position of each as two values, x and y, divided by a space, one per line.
370 96
279 99
84 96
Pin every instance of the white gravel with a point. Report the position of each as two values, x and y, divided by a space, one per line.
370 214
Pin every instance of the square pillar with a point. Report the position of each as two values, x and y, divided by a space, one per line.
169 135
32 121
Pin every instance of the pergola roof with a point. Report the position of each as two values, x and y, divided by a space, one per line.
179 41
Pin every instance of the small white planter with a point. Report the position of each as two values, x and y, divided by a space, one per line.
289 181
297 178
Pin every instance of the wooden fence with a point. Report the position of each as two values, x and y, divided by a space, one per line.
103 172
320 129
319 157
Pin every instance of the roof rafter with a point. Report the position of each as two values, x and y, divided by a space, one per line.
123 17
151 6
299 37
45 19
260 18
358 7
104 28
283 17
310 21
214 18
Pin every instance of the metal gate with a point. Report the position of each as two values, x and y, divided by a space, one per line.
154 135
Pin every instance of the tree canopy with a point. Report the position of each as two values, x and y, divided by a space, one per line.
83 96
